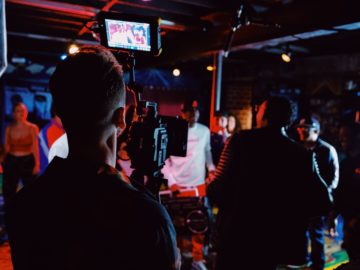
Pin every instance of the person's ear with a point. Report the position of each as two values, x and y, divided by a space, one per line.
119 118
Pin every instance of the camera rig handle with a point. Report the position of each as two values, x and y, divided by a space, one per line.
140 132
132 86
143 108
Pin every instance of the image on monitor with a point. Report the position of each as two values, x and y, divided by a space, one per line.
128 35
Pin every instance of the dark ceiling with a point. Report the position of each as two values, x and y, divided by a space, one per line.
43 28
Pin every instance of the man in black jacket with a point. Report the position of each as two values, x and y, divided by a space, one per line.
82 213
260 185
326 174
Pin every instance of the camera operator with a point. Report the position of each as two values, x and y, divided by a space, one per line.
190 171
82 213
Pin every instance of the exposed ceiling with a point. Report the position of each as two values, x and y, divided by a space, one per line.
193 28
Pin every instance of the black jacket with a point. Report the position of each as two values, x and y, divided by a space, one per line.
263 188
77 217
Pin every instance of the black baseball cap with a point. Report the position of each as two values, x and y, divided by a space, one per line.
188 106
310 122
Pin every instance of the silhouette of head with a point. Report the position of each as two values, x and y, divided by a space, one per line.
275 111
88 88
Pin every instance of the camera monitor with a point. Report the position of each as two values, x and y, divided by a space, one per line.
130 32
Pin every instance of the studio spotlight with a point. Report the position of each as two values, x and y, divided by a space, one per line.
176 72
73 48
286 57
210 68
63 56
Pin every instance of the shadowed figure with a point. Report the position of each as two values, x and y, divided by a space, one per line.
262 195
82 213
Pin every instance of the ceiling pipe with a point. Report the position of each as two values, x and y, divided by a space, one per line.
52 38
58 6
88 25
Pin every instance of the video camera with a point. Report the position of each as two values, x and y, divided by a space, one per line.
152 139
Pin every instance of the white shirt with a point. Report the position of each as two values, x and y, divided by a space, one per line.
190 171
59 148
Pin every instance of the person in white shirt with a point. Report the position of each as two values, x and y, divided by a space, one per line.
190 171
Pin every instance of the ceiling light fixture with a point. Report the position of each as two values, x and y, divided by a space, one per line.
73 48
210 68
349 27
166 22
286 57
176 72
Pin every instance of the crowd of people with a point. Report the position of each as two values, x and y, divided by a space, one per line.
276 194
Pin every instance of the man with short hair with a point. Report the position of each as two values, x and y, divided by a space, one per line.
262 195
326 175
82 213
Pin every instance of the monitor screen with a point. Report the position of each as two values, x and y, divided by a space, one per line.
128 35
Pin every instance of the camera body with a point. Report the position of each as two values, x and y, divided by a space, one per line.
129 32
154 138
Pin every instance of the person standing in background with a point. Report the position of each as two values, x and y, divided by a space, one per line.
326 173
219 135
233 124
261 185
21 152
190 171
348 194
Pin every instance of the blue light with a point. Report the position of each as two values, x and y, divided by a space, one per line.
316 33
63 56
350 26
